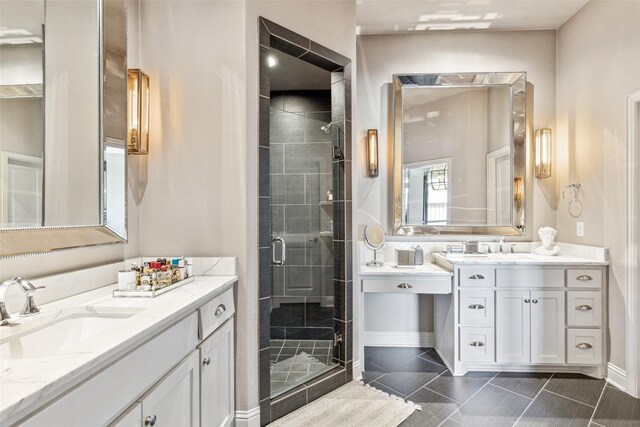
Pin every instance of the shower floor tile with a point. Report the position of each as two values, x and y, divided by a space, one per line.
296 361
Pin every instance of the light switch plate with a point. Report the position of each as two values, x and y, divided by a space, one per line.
580 229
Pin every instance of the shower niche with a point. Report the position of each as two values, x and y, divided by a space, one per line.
305 227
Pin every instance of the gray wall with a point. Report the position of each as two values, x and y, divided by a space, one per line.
598 59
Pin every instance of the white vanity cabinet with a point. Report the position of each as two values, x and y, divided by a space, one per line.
182 376
174 401
531 317
217 378
530 327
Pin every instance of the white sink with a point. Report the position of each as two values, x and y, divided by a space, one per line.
510 256
45 336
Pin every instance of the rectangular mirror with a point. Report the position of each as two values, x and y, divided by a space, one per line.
459 153
62 124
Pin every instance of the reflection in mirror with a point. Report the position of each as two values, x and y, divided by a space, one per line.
21 113
62 124
459 147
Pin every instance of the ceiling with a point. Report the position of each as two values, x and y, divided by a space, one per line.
400 16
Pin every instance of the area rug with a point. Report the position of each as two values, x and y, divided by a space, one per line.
353 404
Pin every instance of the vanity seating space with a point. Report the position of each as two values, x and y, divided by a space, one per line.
178 372
546 317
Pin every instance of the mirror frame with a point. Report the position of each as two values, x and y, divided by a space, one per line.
518 148
38 240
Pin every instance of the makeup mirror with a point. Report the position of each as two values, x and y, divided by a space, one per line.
374 239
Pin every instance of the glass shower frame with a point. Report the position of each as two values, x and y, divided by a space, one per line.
274 36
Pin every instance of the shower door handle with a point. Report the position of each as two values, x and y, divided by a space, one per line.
283 252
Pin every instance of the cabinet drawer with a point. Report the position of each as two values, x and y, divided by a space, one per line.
96 399
214 313
476 276
409 285
584 308
476 344
476 307
584 278
584 346
530 277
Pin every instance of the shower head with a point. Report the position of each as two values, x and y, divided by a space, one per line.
326 128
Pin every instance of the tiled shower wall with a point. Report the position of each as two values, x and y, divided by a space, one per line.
301 176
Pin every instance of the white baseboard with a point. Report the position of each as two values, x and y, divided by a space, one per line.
399 339
250 418
357 370
617 377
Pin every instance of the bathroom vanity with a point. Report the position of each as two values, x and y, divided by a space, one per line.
92 359
523 312
509 312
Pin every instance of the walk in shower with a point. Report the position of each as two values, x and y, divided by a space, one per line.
301 200
304 210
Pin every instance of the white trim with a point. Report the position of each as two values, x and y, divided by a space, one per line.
632 324
7 158
250 418
357 370
492 159
399 339
616 377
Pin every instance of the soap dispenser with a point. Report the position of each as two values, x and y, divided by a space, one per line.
418 256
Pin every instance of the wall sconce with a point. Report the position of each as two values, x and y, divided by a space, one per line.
543 153
138 112
518 192
372 152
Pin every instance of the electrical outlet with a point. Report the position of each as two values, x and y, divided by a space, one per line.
580 229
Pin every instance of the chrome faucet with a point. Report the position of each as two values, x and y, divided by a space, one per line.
29 308
503 240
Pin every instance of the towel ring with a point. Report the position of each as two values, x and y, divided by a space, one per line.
570 195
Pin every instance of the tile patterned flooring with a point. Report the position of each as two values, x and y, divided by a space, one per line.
295 361
495 398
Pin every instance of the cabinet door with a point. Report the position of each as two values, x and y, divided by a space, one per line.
547 327
174 400
512 326
217 378
131 418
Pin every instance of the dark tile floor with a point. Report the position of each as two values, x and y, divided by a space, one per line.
495 398
295 361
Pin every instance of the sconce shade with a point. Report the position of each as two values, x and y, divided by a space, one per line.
137 112
372 152
543 153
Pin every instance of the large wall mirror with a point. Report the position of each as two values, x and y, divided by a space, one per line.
63 82
459 153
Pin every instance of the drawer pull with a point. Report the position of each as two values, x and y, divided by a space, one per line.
221 309
476 307
405 286
527 300
476 277
476 344
584 278
584 346
535 301
584 307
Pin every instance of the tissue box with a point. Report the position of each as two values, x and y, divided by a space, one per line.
405 257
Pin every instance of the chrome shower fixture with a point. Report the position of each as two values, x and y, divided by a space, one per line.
326 128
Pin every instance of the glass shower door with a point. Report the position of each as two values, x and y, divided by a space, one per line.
302 301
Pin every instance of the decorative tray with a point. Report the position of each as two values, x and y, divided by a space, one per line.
153 293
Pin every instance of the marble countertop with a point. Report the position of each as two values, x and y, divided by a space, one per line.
28 383
391 269
518 259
